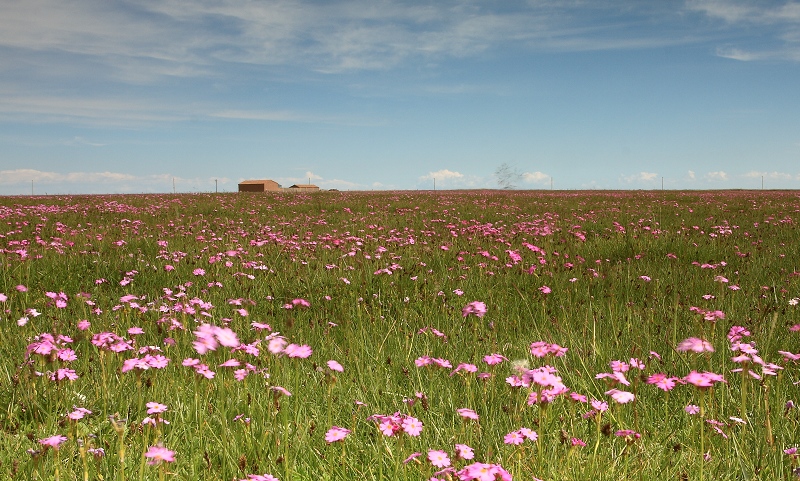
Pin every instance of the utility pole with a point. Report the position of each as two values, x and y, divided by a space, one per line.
662 183
551 183
216 189
434 184
762 182
31 187
173 185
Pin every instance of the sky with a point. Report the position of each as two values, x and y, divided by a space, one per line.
197 95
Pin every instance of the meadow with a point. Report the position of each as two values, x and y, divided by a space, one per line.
476 335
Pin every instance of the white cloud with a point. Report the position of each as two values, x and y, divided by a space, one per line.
19 180
780 24
340 184
535 177
647 177
16 105
690 175
448 179
718 176
442 175
739 54
289 116
743 11
18 176
772 175
81 141
319 181
181 38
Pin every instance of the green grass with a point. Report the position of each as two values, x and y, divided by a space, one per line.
334 249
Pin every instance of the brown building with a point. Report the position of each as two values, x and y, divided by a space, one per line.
259 186
304 188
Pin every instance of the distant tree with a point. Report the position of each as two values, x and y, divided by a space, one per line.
507 176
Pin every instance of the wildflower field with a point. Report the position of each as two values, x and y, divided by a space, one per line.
401 336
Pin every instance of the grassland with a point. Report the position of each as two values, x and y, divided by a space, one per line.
547 335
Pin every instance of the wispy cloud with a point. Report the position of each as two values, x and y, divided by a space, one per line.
180 38
449 179
717 176
443 174
16 106
320 181
778 27
772 175
21 180
81 141
535 177
639 178
87 43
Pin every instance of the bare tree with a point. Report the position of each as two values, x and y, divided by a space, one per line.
507 176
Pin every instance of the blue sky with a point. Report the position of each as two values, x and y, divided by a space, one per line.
107 97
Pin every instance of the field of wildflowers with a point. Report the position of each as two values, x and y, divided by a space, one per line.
401 336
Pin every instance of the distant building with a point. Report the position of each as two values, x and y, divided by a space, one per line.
303 188
259 186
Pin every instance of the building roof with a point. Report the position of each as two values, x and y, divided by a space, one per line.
304 186
263 181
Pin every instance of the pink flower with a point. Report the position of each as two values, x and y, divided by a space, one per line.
226 337
412 457
477 308
155 408
467 413
628 434
599 406
388 427
661 381
577 397
78 413
493 359
465 367
702 379
412 426
545 290
621 397
514 437
276 343
335 366
695 345
64 373
336 433
157 454
199 272
294 350
297 303
231 363
260 477
438 458
53 441
483 472
281 390
464 452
